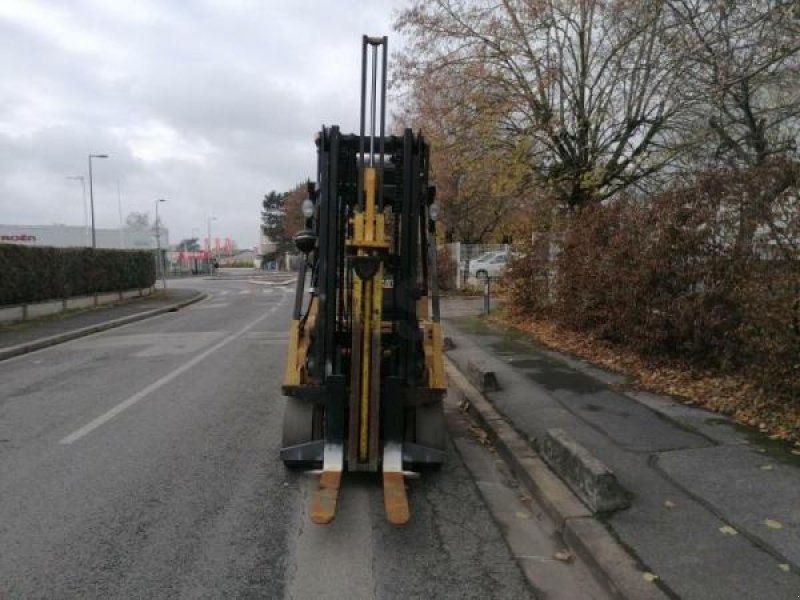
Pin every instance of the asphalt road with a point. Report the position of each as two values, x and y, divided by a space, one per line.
142 462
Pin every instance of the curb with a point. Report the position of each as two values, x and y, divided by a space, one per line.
616 570
53 340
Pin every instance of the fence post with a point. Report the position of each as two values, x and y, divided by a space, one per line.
487 297
457 255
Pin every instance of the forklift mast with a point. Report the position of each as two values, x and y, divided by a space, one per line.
364 378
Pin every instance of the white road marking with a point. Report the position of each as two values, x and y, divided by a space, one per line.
125 404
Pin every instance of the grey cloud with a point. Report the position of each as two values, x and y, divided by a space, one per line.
243 86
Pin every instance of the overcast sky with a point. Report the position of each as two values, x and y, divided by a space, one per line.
207 103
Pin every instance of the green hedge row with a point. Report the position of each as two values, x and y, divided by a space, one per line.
35 274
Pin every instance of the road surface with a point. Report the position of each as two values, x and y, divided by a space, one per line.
142 462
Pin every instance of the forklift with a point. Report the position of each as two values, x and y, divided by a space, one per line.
364 380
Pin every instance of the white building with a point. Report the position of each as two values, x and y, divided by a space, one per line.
65 236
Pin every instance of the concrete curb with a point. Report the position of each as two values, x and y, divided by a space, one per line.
53 340
617 570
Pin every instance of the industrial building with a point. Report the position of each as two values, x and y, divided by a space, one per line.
65 236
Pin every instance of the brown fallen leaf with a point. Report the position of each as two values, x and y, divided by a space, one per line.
669 504
784 567
773 524
737 396
522 514
649 577
728 530
767 467
564 556
480 434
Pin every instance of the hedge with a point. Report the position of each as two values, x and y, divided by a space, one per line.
35 274
666 278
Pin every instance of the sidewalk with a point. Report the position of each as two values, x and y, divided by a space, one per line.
27 336
715 512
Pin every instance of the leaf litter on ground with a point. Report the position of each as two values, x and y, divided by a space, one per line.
730 394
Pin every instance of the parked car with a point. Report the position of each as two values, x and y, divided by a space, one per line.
481 258
490 264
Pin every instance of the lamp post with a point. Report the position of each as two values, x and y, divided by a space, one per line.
121 230
91 194
158 246
194 238
209 242
82 179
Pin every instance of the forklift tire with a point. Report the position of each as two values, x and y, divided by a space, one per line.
481 274
430 431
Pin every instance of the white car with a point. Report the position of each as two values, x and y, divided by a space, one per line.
490 264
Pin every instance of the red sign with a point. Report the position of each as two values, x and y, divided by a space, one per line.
182 256
21 237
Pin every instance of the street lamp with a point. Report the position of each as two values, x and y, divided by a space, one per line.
158 246
194 238
209 241
91 193
82 179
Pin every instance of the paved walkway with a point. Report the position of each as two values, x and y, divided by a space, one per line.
715 510
25 332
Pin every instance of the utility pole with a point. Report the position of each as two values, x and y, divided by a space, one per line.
82 179
91 194
119 206
210 270
160 262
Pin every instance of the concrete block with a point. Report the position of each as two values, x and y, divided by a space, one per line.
482 377
80 302
44 309
592 481
10 314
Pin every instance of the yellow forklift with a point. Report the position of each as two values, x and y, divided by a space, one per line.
365 376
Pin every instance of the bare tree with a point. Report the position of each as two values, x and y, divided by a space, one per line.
743 68
474 170
584 86
742 60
